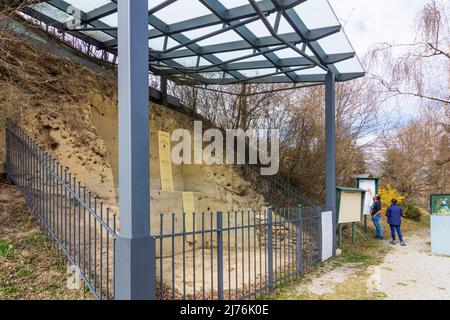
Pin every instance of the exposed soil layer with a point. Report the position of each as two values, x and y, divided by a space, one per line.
72 113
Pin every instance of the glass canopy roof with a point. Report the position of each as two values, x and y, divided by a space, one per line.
221 41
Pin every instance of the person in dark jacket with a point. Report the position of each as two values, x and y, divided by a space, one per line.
375 211
394 215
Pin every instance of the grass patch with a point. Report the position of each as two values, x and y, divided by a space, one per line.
6 249
24 272
31 268
36 240
9 289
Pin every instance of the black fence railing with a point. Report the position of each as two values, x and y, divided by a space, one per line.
234 255
214 255
277 190
80 225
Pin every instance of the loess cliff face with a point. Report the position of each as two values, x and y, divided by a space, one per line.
72 113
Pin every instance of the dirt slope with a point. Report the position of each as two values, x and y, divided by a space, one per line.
72 113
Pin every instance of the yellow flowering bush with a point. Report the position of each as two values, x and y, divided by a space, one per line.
389 193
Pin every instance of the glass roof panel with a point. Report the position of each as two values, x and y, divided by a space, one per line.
229 4
316 14
98 35
87 6
259 29
110 20
257 72
315 70
52 12
349 66
186 34
336 43
224 37
178 10
225 56
287 53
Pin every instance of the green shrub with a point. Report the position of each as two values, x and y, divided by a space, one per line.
410 211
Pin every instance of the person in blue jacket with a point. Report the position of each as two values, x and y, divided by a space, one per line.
394 215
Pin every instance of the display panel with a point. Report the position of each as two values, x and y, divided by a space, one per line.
370 187
165 161
350 207
440 205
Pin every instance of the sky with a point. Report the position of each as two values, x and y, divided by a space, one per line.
368 22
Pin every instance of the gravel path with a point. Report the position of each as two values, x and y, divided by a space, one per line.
412 272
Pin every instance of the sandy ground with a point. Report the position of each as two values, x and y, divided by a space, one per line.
327 282
405 273
413 272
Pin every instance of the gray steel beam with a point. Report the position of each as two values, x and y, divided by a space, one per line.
234 14
64 6
263 64
135 249
330 148
262 42
157 23
231 19
100 12
220 11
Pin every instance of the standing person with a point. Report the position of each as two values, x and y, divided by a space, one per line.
375 212
394 214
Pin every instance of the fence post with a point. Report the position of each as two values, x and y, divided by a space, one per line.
219 256
270 249
299 240
319 233
8 153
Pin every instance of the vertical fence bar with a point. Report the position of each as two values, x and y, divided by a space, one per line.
219 255
51 191
203 256
184 256
211 234
299 240
319 233
161 240
229 255
8 152
270 249
173 255
193 253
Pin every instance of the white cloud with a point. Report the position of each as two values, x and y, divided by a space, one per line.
371 22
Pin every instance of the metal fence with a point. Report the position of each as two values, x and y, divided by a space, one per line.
235 255
277 190
214 255
80 225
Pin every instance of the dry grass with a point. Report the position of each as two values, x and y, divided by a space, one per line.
30 266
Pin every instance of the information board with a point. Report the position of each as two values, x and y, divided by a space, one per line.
165 161
370 187
440 205
350 207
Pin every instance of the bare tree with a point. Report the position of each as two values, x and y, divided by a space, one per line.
417 156
421 68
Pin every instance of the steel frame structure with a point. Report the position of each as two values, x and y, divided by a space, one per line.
261 54
137 26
